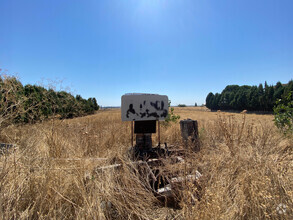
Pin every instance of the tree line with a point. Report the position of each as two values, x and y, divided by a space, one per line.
252 98
32 103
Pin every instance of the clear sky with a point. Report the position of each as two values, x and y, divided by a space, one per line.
180 48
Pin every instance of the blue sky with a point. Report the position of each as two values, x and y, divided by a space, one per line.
180 48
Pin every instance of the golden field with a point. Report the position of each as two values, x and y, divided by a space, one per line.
247 168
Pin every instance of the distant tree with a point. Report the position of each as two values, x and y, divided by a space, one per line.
225 100
252 98
181 105
279 90
270 98
217 101
32 103
241 99
78 98
11 100
289 87
210 100
195 104
95 104
261 96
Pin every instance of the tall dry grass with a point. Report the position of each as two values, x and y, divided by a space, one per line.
246 166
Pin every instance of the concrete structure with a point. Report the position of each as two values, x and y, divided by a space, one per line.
189 129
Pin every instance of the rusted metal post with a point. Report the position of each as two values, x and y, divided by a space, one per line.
159 134
131 133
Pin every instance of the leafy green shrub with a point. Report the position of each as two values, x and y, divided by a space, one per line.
284 113
172 117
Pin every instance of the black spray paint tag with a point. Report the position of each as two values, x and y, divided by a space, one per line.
144 107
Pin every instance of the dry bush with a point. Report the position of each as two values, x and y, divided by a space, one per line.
10 99
246 166
247 171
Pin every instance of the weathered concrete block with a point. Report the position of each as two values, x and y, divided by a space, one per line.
144 107
189 128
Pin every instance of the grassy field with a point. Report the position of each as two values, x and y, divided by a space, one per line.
247 169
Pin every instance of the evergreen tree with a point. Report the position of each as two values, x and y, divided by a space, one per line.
210 100
252 98
216 101
279 90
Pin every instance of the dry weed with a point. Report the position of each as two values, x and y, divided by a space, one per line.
246 166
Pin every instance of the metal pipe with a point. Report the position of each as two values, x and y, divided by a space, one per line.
131 133
159 133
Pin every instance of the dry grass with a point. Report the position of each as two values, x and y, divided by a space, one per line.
247 169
